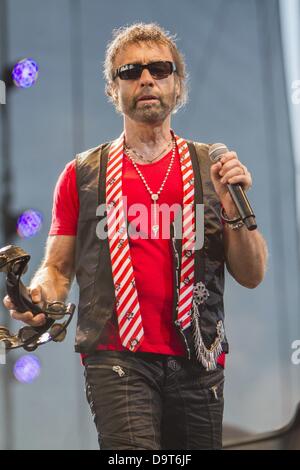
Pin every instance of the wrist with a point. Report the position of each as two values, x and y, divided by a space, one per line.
233 223
230 210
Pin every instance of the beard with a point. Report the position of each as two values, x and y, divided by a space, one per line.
150 113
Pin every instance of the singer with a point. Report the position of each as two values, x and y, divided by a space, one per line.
151 317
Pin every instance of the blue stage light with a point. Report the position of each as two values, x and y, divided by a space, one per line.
29 223
25 73
27 369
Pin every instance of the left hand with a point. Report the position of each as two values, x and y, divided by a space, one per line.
229 170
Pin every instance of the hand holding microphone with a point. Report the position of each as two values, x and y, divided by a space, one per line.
231 179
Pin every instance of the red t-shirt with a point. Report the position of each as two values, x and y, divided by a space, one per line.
151 257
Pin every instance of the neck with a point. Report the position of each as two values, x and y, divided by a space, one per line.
146 138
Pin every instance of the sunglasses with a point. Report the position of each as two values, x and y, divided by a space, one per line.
158 70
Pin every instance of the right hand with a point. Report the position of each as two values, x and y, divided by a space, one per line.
27 317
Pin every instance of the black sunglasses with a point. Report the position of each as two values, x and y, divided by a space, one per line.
158 70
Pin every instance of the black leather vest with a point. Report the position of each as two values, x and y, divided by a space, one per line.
93 265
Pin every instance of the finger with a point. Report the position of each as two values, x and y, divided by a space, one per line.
8 303
35 294
38 320
26 316
236 171
243 180
245 168
29 318
216 167
228 156
233 163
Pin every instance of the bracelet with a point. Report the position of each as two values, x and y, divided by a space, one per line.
225 218
234 224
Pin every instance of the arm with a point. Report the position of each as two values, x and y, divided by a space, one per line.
246 251
56 273
246 255
53 279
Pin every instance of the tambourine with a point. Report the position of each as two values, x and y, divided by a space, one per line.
14 262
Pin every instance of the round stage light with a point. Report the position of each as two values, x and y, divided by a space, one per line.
29 223
25 73
27 369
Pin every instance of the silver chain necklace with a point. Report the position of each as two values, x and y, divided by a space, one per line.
155 196
141 157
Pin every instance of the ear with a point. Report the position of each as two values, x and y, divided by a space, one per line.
114 93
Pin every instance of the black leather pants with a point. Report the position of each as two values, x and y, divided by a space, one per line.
146 401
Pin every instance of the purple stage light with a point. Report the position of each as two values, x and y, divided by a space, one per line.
29 223
27 369
25 73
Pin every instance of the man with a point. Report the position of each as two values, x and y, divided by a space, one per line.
151 318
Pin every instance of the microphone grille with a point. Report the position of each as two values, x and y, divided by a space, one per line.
216 150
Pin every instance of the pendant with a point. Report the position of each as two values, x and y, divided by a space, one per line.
155 226
155 229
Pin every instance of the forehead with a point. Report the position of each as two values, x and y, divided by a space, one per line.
143 53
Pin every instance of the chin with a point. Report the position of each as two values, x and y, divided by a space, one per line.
150 118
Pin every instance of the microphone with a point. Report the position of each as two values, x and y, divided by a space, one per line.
236 191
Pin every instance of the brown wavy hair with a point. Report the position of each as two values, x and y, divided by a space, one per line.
139 33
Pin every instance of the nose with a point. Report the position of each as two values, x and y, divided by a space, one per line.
146 78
